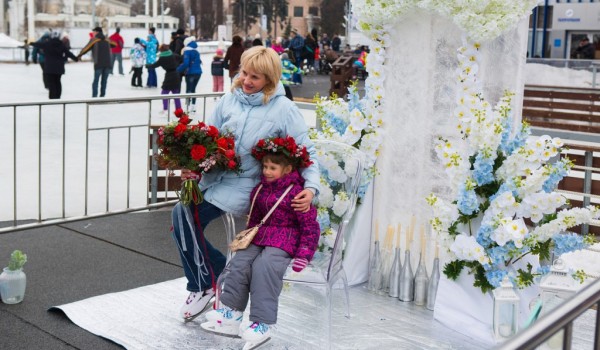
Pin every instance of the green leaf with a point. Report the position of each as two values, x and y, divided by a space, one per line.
453 269
481 281
525 277
542 249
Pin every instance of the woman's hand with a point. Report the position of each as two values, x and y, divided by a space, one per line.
187 174
302 200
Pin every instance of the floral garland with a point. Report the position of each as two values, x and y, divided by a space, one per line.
287 146
502 180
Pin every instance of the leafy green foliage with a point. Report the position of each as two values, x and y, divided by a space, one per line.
453 269
17 260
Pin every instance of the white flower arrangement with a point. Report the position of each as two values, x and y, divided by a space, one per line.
479 19
502 179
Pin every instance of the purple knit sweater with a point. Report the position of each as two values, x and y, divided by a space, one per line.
292 231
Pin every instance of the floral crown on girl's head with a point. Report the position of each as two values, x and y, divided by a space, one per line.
284 145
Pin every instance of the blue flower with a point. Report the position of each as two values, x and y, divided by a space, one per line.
509 146
508 186
498 255
495 277
337 123
323 219
483 235
483 171
558 170
567 242
467 201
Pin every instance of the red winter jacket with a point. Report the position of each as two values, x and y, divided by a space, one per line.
294 232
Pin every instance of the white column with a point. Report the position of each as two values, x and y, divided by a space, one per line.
229 26
31 20
2 15
16 12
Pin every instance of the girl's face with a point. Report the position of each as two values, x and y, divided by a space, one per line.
252 82
273 171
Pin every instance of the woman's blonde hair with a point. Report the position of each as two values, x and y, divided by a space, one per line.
262 60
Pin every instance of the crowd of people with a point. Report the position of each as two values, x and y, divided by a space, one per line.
181 61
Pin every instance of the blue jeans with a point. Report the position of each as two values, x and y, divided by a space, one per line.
211 261
100 73
191 81
152 80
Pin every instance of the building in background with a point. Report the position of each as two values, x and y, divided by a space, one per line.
560 25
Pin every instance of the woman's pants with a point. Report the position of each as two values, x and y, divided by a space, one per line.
166 101
191 81
256 271
136 79
202 263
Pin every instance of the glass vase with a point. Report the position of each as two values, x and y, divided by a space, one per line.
12 286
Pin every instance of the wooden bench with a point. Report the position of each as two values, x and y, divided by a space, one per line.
340 75
582 185
572 109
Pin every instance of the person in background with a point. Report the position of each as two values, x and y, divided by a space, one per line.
37 56
585 50
233 56
277 46
116 51
297 46
217 71
100 47
310 46
151 45
179 44
172 81
192 68
65 39
287 75
336 43
25 47
325 40
54 65
137 56
257 40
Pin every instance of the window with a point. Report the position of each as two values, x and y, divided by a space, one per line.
298 11
313 11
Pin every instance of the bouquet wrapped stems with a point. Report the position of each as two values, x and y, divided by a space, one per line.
190 192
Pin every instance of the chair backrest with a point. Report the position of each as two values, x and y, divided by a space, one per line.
341 168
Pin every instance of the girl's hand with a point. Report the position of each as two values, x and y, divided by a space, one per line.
302 200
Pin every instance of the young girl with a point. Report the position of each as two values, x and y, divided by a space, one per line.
172 81
258 270
217 71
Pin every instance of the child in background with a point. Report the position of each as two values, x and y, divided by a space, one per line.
138 59
172 80
258 270
216 69
287 74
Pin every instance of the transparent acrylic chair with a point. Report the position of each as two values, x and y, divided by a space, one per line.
341 166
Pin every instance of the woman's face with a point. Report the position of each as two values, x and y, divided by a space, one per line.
252 82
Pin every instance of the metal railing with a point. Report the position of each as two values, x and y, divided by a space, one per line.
559 319
77 159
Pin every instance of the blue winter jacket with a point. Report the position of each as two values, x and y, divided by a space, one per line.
250 120
192 64
151 48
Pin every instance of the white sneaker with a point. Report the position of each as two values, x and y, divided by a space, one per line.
224 321
256 334
195 304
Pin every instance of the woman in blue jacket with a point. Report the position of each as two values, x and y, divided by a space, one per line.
192 68
256 108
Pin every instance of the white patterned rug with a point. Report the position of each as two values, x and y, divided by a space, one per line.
147 318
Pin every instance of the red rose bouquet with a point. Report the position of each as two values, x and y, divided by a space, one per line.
199 148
